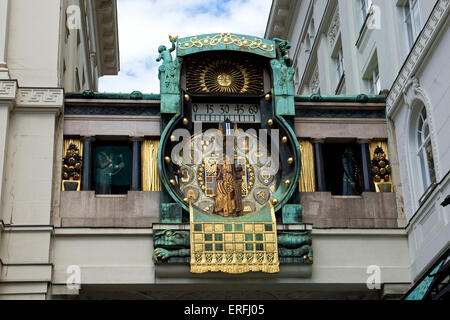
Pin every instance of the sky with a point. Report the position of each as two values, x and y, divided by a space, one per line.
146 24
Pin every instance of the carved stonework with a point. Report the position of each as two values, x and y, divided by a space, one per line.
40 97
423 43
314 84
334 29
410 91
8 89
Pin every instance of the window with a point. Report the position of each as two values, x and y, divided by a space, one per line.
112 167
343 168
312 30
424 150
307 44
364 8
374 82
339 64
412 20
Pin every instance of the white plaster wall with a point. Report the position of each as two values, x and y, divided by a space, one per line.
4 121
388 41
24 247
33 42
402 140
133 126
124 256
104 257
429 233
435 79
29 169
342 256
428 222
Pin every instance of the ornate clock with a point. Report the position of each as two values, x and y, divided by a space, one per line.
229 159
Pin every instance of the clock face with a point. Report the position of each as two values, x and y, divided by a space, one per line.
205 181
218 112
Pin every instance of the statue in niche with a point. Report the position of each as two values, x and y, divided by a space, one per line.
168 70
108 165
283 72
351 176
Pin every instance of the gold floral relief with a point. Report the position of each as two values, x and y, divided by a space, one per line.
226 39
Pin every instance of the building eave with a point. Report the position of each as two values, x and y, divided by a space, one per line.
280 18
105 14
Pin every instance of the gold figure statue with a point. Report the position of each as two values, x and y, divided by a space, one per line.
228 201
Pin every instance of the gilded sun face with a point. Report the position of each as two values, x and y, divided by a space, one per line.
224 79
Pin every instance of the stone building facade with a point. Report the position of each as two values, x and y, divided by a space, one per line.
395 47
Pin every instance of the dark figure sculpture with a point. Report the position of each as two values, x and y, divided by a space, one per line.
107 167
350 179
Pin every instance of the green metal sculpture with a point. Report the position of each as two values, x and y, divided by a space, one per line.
173 246
169 76
283 85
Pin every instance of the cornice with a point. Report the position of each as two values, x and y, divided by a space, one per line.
31 99
420 49
39 100
8 89
107 36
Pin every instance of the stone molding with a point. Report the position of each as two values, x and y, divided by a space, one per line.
40 97
46 100
413 92
335 28
8 89
419 51
410 91
315 81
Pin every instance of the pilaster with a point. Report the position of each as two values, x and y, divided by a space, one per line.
28 172
8 89
365 159
86 175
136 183
4 73
318 162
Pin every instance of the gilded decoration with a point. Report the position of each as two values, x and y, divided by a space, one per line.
231 199
72 163
252 177
381 171
226 39
217 74
234 246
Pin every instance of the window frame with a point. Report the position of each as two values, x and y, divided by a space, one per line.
374 81
423 141
364 8
412 21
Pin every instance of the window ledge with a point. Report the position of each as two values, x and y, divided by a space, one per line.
346 197
363 29
427 193
111 196
339 86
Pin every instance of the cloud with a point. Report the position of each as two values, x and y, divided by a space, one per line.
146 24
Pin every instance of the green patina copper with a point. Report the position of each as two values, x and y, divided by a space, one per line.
169 77
360 98
283 85
292 213
423 287
171 213
89 94
281 109
173 246
226 41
